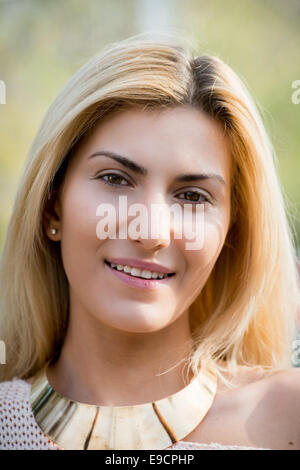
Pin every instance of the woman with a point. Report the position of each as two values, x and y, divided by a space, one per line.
137 341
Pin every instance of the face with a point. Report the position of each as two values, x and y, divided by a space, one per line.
161 146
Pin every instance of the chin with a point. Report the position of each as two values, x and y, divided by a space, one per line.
138 325
143 329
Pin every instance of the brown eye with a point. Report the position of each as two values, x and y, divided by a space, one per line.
113 179
195 196
192 196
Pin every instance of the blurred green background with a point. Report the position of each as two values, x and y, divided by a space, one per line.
43 42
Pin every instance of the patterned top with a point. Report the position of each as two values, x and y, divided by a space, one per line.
19 430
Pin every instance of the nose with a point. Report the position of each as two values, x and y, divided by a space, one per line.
155 233
152 244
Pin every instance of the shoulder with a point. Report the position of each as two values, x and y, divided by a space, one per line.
283 391
277 408
287 380
15 389
263 406
18 429
13 401
244 376
283 394
14 412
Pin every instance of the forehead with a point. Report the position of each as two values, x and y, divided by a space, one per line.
174 139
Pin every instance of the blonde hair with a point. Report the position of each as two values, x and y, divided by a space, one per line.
245 314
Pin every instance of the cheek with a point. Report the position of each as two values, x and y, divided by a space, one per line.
79 242
214 236
200 263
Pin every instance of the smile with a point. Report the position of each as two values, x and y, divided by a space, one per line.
139 277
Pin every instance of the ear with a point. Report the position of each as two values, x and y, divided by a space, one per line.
52 217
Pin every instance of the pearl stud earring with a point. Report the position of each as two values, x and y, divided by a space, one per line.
53 231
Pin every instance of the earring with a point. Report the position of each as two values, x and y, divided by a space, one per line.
53 231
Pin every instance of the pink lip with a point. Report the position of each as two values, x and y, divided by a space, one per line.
135 263
136 281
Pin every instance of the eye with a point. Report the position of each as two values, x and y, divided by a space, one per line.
112 179
195 197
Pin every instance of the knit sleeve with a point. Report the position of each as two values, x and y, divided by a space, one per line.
18 428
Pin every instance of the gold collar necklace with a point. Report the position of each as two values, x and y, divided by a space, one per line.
157 425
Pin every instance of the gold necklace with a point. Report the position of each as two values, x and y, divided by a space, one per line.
73 425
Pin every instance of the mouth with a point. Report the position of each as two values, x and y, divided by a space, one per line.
132 272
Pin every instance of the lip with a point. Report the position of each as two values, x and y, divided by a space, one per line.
138 282
136 263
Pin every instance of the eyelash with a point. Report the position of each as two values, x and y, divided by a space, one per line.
100 177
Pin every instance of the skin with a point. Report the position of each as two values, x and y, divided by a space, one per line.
134 334
261 412
138 339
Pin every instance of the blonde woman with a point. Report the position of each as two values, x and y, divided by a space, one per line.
138 342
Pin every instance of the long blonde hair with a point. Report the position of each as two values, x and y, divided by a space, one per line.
245 313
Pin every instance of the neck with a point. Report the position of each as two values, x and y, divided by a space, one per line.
102 366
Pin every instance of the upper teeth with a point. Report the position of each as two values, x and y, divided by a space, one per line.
139 272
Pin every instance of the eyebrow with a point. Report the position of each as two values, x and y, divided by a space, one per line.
140 170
